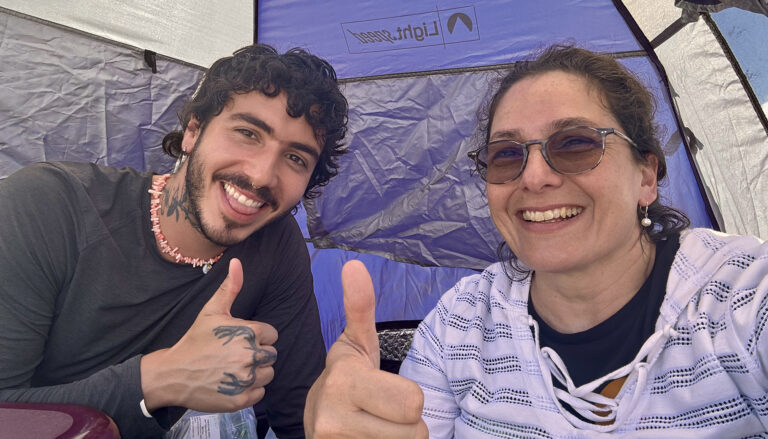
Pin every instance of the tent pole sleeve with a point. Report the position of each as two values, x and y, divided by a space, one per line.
668 32
646 44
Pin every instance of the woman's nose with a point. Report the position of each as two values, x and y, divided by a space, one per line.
537 173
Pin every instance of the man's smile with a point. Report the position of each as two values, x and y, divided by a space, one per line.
241 198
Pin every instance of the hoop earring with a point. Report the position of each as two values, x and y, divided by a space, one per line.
646 222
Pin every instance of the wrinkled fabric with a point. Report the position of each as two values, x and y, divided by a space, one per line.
407 190
67 96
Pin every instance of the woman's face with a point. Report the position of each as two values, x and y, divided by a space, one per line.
600 205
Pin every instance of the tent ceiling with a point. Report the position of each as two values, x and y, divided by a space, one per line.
171 28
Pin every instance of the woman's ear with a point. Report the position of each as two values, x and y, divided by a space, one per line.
649 189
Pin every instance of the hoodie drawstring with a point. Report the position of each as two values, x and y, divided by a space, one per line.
583 399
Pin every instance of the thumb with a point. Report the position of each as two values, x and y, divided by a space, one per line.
360 309
222 299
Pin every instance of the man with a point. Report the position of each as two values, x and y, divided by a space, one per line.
142 295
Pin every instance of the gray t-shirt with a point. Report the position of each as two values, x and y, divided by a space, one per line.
84 292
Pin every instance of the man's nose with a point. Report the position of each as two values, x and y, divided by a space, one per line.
263 166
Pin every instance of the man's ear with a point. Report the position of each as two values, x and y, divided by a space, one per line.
649 189
191 133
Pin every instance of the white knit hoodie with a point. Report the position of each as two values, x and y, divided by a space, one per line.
702 374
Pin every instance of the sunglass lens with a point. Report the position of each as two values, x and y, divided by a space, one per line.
505 159
575 150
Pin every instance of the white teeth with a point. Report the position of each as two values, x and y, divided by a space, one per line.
240 198
547 215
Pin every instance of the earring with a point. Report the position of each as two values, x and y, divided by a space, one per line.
179 161
646 222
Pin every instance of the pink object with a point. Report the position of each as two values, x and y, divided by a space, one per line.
44 421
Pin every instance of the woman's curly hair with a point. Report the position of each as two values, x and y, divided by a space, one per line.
311 87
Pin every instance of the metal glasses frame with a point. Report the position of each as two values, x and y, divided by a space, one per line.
482 167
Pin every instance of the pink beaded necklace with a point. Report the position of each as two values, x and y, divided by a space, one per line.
154 207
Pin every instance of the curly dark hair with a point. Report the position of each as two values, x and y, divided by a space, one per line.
311 87
624 96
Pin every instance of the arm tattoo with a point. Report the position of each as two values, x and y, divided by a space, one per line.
232 385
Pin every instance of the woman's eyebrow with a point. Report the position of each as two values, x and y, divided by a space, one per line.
568 122
512 134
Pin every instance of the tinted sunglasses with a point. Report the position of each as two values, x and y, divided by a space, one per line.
572 150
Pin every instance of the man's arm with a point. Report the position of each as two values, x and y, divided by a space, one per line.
38 249
114 390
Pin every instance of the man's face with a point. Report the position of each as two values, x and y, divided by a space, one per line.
247 166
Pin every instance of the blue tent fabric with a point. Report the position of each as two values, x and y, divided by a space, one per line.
407 175
386 39
403 291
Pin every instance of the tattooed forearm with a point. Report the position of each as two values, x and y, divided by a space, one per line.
232 385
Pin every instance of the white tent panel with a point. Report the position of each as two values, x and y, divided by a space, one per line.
193 31
731 148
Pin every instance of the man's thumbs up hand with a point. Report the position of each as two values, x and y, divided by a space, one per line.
353 398
221 364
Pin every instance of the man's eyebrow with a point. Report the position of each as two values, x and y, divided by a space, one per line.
255 121
245 117
307 149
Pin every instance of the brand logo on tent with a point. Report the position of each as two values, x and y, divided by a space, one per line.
412 31
459 16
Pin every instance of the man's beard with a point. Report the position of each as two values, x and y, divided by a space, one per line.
194 185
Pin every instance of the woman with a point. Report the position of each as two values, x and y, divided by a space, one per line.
588 337
609 317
